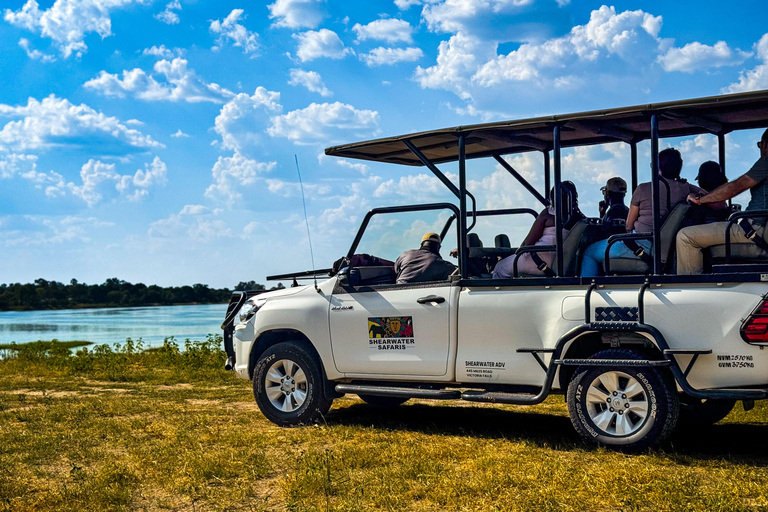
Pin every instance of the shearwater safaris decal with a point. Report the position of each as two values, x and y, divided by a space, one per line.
391 333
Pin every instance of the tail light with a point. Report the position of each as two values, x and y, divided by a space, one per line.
755 327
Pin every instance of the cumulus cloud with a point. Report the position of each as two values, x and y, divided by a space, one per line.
99 179
324 121
67 22
296 13
466 61
172 81
162 52
56 122
696 56
230 30
169 16
293 189
389 56
239 120
232 174
15 163
321 43
311 80
389 30
193 222
756 78
51 231
35 54
179 134
404 5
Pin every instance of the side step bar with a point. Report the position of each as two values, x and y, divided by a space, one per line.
498 397
402 392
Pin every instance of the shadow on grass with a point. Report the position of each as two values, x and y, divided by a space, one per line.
540 429
740 443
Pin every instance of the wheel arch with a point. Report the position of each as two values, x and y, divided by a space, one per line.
592 342
273 337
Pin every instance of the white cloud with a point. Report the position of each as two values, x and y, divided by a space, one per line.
68 21
415 187
465 62
389 30
457 59
696 56
35 54
457 15
296 13
756 78
176 83
321 43
168 16
322 122
179 134
99 179
389 56
358 166
231 30
15 163
404 5
232 174
311 80
193 222
55 122
54 230
239 120
162 52
293 189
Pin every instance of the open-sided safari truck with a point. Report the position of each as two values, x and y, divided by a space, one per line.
631 351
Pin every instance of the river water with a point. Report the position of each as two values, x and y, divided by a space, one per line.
113 325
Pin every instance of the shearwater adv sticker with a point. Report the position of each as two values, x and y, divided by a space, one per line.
390 333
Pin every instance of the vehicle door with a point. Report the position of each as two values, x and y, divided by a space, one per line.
378 327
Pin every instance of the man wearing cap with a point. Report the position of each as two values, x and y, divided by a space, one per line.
691 240
612 208
423 264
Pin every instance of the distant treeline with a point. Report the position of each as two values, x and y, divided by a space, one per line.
114 292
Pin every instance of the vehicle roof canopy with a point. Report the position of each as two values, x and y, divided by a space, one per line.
716 115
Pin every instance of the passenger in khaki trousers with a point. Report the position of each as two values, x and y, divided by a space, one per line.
691 240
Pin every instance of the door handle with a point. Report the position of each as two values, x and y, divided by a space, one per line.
430 298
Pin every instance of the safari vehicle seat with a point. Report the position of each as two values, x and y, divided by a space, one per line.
370 275
571 246
502 241
669 228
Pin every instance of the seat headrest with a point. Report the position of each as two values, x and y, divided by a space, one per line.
473 240
502 240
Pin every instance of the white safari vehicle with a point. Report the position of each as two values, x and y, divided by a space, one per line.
636 352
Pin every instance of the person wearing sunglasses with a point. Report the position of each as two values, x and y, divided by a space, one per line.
691 240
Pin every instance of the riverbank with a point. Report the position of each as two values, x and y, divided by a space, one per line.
171 430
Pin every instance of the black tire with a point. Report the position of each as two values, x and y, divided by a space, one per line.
293 393
385 402
695 412
649 409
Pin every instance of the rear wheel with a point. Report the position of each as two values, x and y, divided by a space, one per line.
288 385
383 401
622 407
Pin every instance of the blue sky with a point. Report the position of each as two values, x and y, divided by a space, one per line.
154 141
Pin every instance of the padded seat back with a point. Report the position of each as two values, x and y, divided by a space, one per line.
502 240
748 251
571 245
668 233
371 275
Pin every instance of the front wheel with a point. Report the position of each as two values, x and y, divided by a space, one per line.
627 408
288 385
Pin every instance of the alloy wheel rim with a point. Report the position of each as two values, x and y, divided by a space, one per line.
286 385
617 403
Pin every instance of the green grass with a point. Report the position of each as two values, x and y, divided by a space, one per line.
168 429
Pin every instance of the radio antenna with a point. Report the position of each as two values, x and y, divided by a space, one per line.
306 221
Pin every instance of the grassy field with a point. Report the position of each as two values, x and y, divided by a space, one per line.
168 429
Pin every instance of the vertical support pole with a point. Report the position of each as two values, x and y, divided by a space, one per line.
721 156
721 150
655 193
547 184
462 207
558 202
633 155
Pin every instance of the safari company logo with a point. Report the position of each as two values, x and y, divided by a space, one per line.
391 333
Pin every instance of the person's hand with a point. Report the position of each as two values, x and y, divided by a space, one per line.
694 198
454 253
